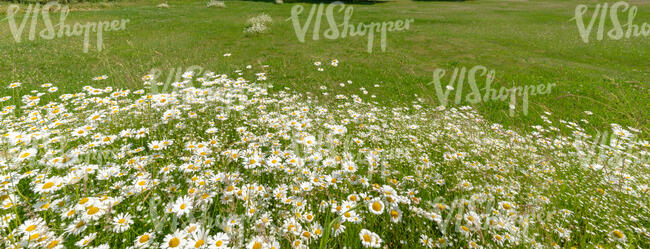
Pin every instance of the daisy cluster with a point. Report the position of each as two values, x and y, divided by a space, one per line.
226 163
258 24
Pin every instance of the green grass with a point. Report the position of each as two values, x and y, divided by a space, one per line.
526 42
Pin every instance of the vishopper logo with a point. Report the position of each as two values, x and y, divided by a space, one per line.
166 219
73 153
333 32
609 150
461 75
160 80
60 30
618 30
467 214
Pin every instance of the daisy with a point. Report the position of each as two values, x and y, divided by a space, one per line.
122 222
144 240
193 228
395 215
338 229
222 117
498 239
188 75
464 230
317 230
474 245
48 185
426 241
273 245
349 166
376 206
369 239
261 76
273 161
80 132
93 212
76 227
6 220
68 213
472 218
505 205
220 240
618 235
563 233
175 240
32 226
256 243
54 243
85 241
198 239
103 77
183 206
26 155
309 141
156 145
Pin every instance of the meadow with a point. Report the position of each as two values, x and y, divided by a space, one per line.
525 42
187 131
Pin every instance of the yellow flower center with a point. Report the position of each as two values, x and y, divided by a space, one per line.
93 210
174 242
618 234
144 238
48 185
376 206
34 236
52 244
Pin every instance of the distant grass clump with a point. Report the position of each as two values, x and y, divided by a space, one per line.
217 4
258 24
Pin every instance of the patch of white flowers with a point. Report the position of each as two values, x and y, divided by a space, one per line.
215 3
258 23
224 163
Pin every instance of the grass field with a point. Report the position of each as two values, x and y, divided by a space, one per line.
526 42
347 149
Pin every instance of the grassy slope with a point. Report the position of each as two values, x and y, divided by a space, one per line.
526 42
